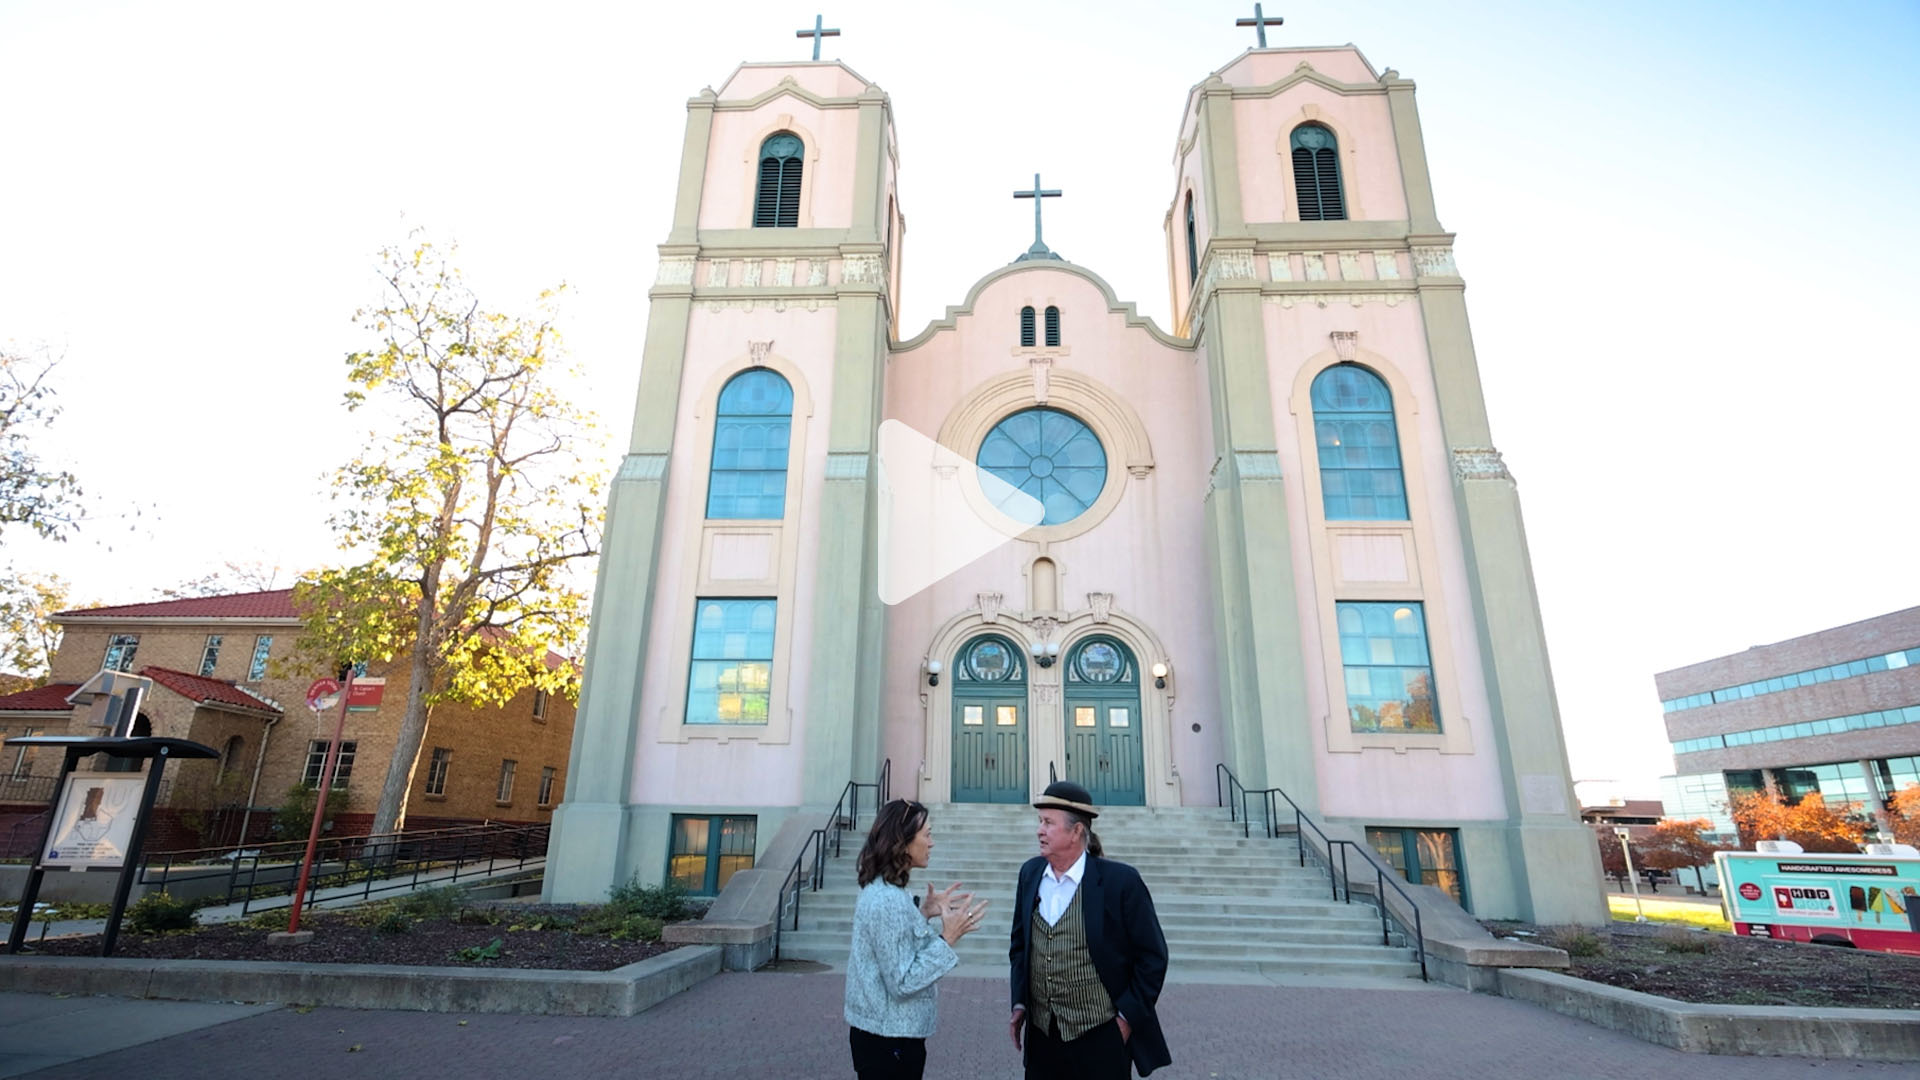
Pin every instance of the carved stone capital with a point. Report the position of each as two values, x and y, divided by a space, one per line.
1479 463
1434 262
861 270
1102 605
674 270
989 605
758 350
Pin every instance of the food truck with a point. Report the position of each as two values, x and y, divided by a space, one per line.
1869 901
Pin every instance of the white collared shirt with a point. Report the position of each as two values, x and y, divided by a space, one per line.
1057 892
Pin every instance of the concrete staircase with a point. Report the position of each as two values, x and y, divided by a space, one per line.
1232 908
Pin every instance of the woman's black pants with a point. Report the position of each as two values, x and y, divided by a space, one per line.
876 1057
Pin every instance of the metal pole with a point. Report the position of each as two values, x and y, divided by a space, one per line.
320 801
132 865
1632 882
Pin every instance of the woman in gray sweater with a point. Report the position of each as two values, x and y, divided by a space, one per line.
897 952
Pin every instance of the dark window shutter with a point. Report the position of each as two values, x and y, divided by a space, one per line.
1026 327
1193 255
776 201
1327 165
790 193
1316 174
1053 327
766 202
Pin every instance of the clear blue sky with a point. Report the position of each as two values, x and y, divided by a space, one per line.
1688 232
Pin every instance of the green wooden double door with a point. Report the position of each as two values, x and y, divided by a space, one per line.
1103 750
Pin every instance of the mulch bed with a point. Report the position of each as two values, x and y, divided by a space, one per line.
1736 970
338 939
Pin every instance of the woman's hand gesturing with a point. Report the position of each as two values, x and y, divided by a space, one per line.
958 920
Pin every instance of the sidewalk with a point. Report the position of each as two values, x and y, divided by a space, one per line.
789 1025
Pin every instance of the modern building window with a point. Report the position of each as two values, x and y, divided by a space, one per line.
120 650
1803 729
776 205
210 656
1193 249
546 786
751 429
1028 337
1053 327
1316 174
504 792
1389 677
1360 478
706 851
1048 454
731 679
1848 669
317 763
437 770
257 667
230 756
539 704
1423 857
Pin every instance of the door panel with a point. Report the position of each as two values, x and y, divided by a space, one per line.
1103 750
990 750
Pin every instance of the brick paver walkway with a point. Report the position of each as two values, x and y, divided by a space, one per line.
788 1025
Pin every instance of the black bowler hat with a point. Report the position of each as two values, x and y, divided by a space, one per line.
1066 795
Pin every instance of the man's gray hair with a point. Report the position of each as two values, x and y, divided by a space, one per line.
1075 817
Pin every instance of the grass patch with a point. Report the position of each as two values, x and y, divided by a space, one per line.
1670 912
1573 940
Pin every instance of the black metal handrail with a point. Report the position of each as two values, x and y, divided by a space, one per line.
845 815
381 862
1052 777
1225 784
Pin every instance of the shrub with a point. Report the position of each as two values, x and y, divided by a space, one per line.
1573 940
158 912
477 953
479 917
637 928
293 819
441 903
1686 941
270 919
666 902
393 921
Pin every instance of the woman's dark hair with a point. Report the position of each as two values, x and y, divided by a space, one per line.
1082 820
884 855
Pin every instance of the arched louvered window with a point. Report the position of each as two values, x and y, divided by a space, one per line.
1053 327
751 430
1360 478
1316 174
1026 327
1193 251
777 204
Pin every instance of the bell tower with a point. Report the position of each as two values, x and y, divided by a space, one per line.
735 616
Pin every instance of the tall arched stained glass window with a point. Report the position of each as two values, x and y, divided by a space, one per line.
1360 478
777 203
751 429
1051 456
1316 174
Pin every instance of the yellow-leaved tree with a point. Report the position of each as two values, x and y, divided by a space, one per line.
473 514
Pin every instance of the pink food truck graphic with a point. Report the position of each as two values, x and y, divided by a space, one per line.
1869 901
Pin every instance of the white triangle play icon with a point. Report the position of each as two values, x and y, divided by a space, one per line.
938 512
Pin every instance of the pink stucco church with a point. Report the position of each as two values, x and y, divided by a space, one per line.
1046 536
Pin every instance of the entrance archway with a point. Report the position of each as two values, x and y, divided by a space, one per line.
990 721
1105 751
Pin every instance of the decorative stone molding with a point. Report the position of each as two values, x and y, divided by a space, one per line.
1344 343
777 303
674 270
1042 367
1479 463
1434 262
1231 265
1322 300
1046 693
1102 605
1044 626
989 605
783 271
1350 266
816 272
758 350
641 467
1386 266
717 271
1279 266
751 279
861 270
847 465
1316 264
1260 465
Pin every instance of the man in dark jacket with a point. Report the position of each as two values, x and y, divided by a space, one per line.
1088 957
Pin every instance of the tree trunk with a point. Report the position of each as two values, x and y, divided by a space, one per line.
391 813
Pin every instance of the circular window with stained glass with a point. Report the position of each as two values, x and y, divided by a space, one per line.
1045 457
1099 662
990 660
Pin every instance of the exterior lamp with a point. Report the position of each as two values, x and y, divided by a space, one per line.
933 673
1045 652
1160 675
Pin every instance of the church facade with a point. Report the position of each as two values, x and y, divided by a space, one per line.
1044 536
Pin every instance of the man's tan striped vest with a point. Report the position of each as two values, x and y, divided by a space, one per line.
1062 986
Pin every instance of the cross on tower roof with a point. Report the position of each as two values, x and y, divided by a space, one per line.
817 33
1039 250
1259 22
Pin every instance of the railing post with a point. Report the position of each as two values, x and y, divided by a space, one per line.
1380 897
1344 876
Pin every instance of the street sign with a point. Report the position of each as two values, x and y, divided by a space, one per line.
366 693
324 694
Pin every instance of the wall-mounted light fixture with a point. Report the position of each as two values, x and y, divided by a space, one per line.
1160 675
1045 652
933 672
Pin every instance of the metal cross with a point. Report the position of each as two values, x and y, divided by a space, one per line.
1259 22
1039 249
817 33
